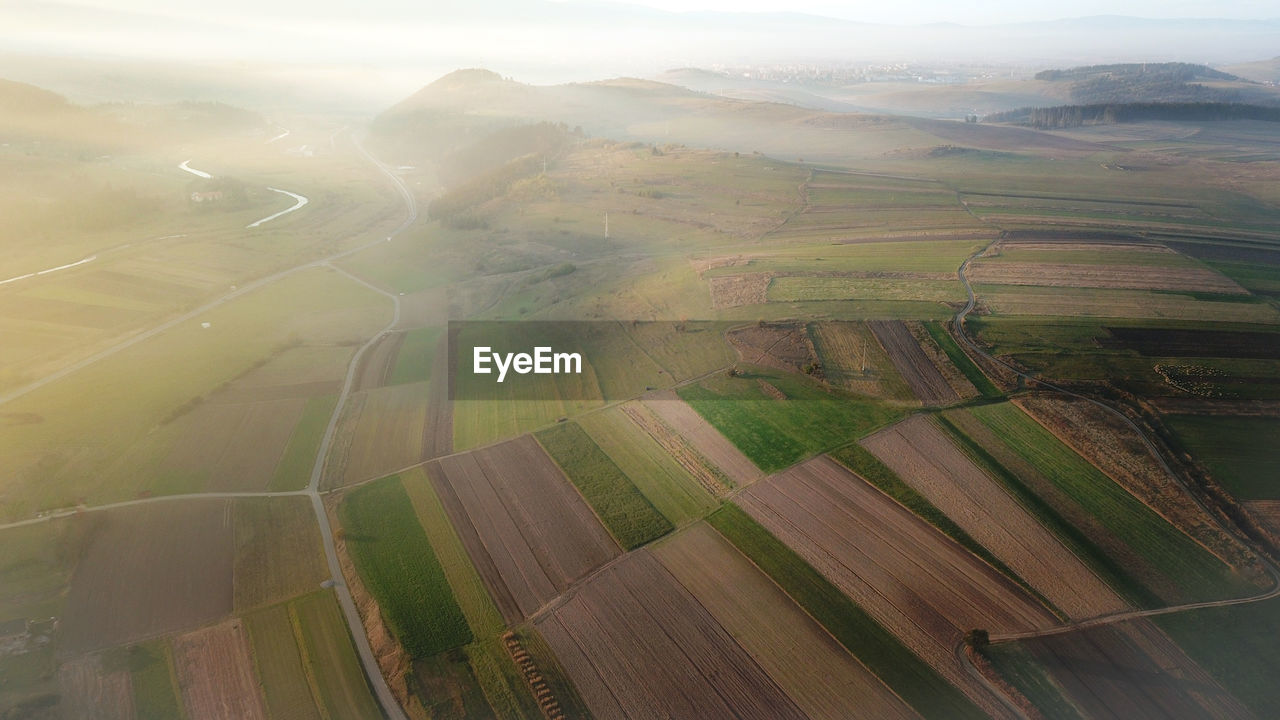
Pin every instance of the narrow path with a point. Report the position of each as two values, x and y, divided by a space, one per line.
46 271
301 200
186 165
68 512
381 690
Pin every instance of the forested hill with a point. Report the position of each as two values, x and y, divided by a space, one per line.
1067 116
1155 82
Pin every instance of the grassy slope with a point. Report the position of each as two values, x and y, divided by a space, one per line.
876 647
628 515
1239 451
400 568
774 433
961 361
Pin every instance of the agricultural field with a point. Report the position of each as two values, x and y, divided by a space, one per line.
1142 546
796 652
628 515
694 443
923 456
92 686
1132 667
916 583
155 687
528 531
672 488
216 674
286 689
853 359
1114 448
330 658
278 553
917 368
634 641
777 420
382 430
150 570
398 566
1239 451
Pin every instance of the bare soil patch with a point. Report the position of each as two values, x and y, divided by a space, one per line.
91 690
215 673
528 531
927 460
729 291
784 346
924 378
150 570
708 475
1120 277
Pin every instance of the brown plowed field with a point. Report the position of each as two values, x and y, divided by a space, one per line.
784 346
915 581
215 674
709 476
728 291
89 690
528 531
150 570
704 437
924 457
924 378
939 359
1132 671
1119 277
1115 449
823 679
638 645
438 432
378 362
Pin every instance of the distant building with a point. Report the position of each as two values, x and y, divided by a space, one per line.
202 197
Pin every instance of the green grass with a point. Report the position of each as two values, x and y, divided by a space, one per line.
671 489
798 288
628 514
1237 646
413 363
278 661
907 675
961 360
1078 541
1025 673
1170 551
155 688
1239 451
503 684
399 567
294 470
330 658
778 433
861 461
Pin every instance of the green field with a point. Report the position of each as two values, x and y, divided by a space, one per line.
627 513
294 470
795 288
875 647
399 567
155 688
278 662
962 362
1198 573
1237 646
1020 668
413 363
1239 451
330 658
671 489
778 433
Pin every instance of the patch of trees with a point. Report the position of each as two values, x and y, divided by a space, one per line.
1150 82
1183 72
1068 116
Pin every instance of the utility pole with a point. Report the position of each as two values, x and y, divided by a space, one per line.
606 224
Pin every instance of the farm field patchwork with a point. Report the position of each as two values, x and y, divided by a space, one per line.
278 551
382 431
528 531
634 641
330 658
155 688
93 685
215 671
853 359
399 567
777 420
286 691
923 456
921 374
1111 303
911 579
671 487
704 439
814 670
625 512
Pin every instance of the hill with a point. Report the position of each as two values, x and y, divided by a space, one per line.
1171 82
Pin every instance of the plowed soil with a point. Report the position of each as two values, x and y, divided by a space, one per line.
785 347
528 531
215 674
924 457
1120 277
705 439
924 378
